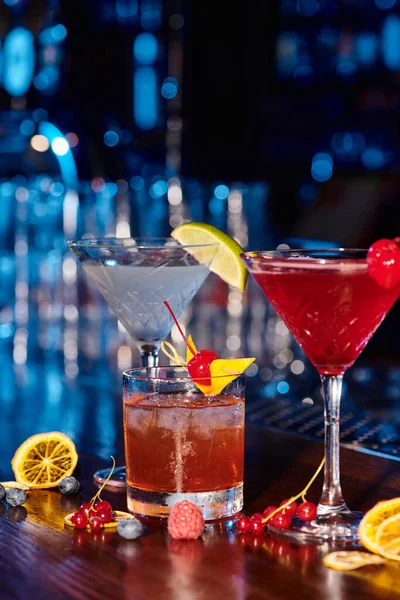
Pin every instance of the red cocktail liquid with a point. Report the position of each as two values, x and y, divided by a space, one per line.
332 310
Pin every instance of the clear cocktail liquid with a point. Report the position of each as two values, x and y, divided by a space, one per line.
136 294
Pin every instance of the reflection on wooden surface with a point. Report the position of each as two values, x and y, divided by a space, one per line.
42 557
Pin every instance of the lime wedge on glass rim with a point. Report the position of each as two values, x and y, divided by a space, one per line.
226 263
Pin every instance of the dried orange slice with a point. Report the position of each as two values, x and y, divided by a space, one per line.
44 459
222 372
347 561
372 520
189 353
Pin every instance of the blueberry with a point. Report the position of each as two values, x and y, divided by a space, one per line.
15 497
131 529
2 492
69 486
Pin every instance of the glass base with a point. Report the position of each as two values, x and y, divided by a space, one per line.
214 505
340 527
117 480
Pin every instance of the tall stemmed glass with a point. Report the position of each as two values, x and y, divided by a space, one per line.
135 276
332 306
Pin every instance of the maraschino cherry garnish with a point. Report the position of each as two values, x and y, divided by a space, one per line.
383 260
199 366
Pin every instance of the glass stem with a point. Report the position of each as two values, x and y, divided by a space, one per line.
149 354
332 498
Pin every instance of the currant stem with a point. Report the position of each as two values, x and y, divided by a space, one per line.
301 495
179 328
97 496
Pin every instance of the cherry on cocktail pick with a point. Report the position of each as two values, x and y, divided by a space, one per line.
199 366
383 260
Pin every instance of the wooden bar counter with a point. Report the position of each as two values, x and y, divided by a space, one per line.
41 558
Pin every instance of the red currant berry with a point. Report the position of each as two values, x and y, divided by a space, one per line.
243 524
256 526
96 523
307 511
102 505
104 515
103 510
290 509
199 366
79 519
257 516
269 510
383 260
84 508
280 521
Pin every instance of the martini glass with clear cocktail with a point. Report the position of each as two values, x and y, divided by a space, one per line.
135 276
332 306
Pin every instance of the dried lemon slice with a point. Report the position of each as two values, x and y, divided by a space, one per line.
347 561
8 485
118 515
44 459
372 520
388 538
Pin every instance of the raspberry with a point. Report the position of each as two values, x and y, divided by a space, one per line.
383 260
185 521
